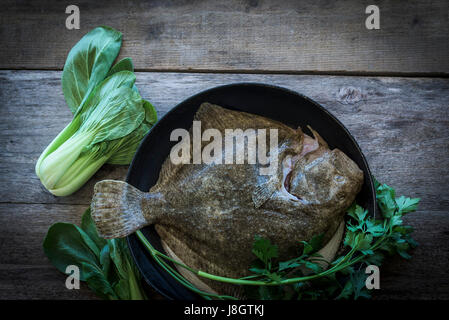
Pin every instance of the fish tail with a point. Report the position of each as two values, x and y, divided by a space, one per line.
117 209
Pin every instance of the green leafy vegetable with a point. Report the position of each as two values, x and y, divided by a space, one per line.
265 251
88 63
100 128
73 247
126 64
150 113
110 117
105 265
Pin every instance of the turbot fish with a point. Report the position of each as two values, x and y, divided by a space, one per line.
208 214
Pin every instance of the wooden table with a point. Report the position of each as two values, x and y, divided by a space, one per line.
388 86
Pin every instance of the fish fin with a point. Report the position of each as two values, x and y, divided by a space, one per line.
215 117
117 209
321 141
299 132
264 191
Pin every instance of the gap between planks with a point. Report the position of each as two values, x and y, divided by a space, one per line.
342 73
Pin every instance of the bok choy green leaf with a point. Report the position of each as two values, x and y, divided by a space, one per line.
88 63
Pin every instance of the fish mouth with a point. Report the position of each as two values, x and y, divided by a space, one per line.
288 164
287 169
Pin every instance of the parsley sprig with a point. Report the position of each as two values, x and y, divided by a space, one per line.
367 241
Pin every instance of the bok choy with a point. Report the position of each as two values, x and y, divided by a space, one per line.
105 265
110 117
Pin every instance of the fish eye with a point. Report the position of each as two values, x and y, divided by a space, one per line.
339 179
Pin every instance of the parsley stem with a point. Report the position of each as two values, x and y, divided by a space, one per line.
155 254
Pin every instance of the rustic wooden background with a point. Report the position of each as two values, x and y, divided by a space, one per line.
388 86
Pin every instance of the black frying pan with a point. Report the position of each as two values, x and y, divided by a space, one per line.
269 101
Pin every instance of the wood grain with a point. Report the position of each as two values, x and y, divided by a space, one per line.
25 272
238 35
401 124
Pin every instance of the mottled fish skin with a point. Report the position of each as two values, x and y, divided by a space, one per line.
209 214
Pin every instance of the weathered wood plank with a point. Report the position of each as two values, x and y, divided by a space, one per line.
401 124
31 282
424 276
25 271
238 35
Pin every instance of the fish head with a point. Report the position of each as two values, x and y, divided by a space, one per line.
324 177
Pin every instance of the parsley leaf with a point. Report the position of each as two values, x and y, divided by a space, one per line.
264 250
